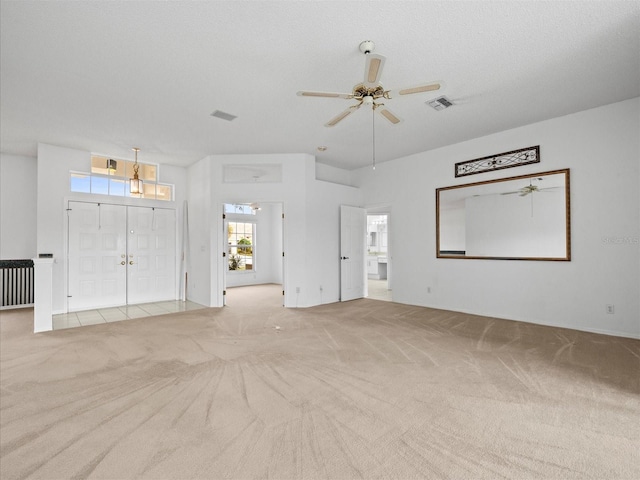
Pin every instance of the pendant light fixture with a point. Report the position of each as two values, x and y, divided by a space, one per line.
135 182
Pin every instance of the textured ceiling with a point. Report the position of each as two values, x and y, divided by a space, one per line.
107 76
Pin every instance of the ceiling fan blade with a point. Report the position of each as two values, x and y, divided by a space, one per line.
303 93
386 113
341 116
427 87
373 69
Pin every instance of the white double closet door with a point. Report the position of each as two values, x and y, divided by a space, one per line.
120 255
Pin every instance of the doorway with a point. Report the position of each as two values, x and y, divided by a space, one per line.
378 258
253 235
119 255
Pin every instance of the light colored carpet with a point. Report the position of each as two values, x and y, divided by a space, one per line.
364 389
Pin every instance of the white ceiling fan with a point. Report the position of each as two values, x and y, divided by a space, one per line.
370 91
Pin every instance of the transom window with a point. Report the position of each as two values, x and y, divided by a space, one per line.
240 208
111 177
123 168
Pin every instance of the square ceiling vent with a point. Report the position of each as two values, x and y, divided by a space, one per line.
440 103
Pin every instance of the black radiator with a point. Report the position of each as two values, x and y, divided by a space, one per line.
16 283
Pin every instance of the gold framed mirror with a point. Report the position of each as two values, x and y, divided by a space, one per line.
517 218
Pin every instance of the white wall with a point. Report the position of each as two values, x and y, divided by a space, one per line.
201 234
331 174
17 207
453 229
53 166
515 226
311 225
322 245
601 147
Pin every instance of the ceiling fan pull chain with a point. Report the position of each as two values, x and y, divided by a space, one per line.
373 124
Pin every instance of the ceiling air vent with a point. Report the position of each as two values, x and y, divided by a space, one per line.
223 115
440 103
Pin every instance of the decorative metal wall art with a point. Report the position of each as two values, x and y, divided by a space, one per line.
515 158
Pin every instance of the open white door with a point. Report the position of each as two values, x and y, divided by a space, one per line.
353 234
225 256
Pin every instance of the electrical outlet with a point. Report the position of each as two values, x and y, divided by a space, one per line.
320 287
297 289
610 309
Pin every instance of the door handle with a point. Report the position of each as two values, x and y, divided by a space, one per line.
131 262
123 263
344 258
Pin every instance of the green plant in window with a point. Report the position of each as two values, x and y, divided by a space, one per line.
235 262
246 248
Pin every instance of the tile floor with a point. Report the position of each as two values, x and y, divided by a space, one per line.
378 290
118 314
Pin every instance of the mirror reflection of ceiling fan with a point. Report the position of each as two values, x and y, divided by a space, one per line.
371 91
531 188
